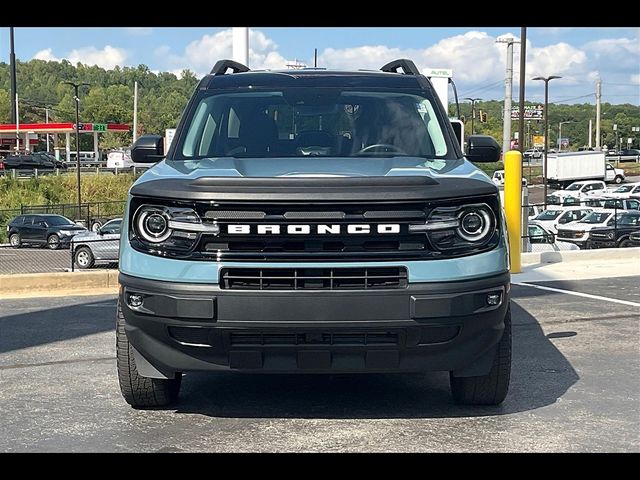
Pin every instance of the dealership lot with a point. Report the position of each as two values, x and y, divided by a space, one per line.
574 388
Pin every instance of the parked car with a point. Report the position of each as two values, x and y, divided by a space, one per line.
498 178
625 191
532 153
54 231
31 161
552 217
613 203
119 159
543 240
99 246
577 190
634 239
616 235
534 211
578 232
629 154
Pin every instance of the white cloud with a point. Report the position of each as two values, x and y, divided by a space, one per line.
107 57
558 59
46 54
139 31
635 78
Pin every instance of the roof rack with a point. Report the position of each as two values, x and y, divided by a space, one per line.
221 67
408 67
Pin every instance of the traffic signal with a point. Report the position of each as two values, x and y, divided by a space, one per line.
483 117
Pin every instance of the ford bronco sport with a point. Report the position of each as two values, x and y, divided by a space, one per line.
314 221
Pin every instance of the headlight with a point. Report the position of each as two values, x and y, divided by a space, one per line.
464 226
68 232
165 229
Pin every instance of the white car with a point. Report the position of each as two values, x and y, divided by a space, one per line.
578 232
579 189
625 191
554 216
612 203
542 240
534 211
498 178
119 159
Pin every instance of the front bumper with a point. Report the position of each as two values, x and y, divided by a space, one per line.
427 326
603 244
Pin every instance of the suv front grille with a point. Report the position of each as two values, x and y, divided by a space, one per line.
313 278
571 234
241 339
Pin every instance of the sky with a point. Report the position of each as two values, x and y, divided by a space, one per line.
580 55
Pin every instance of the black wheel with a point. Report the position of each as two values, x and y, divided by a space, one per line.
490 389
618 179
625 243
15 241
53 241
139 391
84 257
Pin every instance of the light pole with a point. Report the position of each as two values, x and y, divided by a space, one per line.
546 81
77 99
560 134
473 110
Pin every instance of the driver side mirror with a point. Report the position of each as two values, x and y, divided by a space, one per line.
148 149
482 149
551 238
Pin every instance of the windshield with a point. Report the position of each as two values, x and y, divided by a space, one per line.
549 215
59 220
623 189
596 217
304 121
574 186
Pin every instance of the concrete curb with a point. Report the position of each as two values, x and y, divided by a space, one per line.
581 255
51 284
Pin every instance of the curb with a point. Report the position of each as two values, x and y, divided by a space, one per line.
531 258
50 284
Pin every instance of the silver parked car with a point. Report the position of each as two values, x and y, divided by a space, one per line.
99 246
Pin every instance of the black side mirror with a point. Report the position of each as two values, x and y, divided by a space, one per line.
148 149
551 238
483 148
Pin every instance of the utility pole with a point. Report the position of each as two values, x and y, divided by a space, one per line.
17 122
14 90
523 67
598 98
473 110
590 132
135 110
46 120
315 58
508 93
241 45
77 99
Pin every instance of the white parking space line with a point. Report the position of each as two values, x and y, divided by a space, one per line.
578 294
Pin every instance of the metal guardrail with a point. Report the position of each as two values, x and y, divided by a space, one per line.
29 173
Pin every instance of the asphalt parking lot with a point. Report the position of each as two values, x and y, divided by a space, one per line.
574 388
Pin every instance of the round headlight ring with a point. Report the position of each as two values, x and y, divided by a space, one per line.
152 224
476 224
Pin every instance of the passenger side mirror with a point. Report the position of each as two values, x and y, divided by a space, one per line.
482 149
148 149
551 238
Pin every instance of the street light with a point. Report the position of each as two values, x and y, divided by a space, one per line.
546 81
77 99
560 133
473 110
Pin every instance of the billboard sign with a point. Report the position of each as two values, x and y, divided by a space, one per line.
538 141
531 112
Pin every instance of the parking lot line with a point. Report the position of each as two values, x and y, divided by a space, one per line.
578 294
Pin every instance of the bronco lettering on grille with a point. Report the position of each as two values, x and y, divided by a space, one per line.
302 229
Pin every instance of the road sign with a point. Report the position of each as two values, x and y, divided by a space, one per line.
538 141
99 127
531 112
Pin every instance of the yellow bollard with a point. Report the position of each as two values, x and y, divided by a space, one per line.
513 206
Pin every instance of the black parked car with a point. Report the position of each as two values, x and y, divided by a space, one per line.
55 231
629 154
30 161
616 235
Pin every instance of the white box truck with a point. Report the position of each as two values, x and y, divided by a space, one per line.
564 168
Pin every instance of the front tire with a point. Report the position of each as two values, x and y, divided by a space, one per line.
84 257
626 243
618 179
139 391
15 241
53 242
490 389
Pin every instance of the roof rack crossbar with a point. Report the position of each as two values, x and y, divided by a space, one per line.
408 67
221 67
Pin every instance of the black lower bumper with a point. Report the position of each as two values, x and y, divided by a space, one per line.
426 326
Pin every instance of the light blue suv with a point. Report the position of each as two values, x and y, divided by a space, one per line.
314 221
